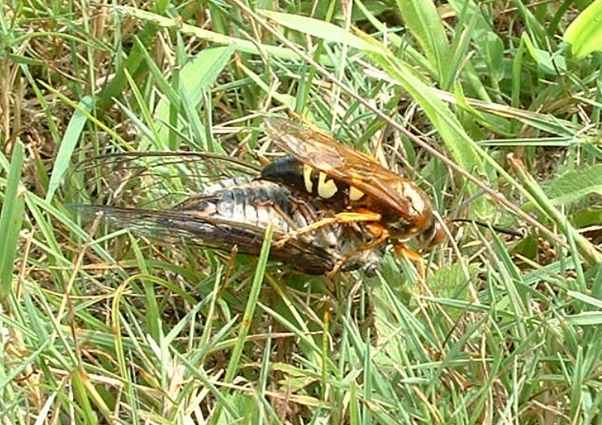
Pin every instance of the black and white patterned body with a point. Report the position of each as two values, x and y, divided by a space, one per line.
236 212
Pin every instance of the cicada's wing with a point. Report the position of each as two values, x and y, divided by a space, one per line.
157 179
186 226
225 212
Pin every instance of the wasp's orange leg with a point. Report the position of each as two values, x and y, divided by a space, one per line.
340 218
403 251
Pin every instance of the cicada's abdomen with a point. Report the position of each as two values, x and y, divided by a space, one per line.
258 203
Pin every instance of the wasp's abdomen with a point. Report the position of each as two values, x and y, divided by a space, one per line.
291 172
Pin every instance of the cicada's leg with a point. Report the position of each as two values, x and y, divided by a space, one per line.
340 218
380 235
403 251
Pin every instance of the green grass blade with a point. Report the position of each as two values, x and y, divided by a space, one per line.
11 219
424 23
68 144
587 318
317 28
88 416
247 319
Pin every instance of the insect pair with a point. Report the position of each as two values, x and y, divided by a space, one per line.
332 207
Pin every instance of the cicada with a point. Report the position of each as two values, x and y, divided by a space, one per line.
389 206
235 212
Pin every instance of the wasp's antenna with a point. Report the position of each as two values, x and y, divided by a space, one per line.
498 229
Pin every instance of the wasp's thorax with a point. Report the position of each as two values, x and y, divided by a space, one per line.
414 219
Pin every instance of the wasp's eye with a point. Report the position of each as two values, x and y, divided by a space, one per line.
432 236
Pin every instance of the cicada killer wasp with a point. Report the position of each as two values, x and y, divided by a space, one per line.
389 206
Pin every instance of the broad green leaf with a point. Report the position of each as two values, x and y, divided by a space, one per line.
195 78
585 33
539 198
202 71
574 185
452 281
551 65
587 217
70 139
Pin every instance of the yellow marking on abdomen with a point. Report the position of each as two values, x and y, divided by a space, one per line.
326 188
309 185
355 194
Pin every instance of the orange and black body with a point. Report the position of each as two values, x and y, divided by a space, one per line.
328 169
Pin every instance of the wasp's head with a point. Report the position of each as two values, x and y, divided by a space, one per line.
432 236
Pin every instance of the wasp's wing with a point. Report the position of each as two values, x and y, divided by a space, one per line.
185 226
339 161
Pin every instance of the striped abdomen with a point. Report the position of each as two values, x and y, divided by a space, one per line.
241 200
289 171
